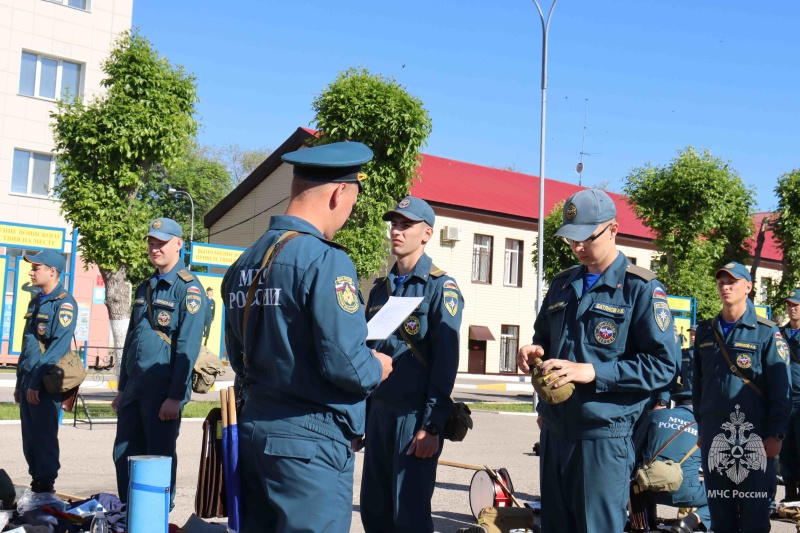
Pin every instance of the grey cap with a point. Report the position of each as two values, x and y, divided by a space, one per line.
49 258
164 229
583 212
414 209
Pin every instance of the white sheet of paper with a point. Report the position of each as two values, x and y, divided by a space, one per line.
391 316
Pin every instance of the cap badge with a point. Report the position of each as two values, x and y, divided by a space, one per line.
361 176
729 265
571 211
157 224
405 202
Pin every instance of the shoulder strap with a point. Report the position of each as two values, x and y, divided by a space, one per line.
266 263
436 272
655 456
688 454
150 315
641 272
731 366
185 275
767 322
424 362
565 271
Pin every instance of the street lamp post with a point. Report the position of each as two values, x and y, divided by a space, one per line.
176 192
540 259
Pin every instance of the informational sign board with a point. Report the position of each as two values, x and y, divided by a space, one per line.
214 255
82 322
213 339
22 297
31 237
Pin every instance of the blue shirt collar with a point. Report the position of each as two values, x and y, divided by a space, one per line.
169 277
57 290
421 270
749 318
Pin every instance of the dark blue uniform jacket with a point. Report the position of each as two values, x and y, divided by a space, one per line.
794 364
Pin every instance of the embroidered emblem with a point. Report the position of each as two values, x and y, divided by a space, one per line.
346 294
778 335
783 348
605 332
66 306
662 315
450 285
156 224
451 302
734 453
729 265
405 202
744 361
558 305
193 303
411 325
65 315
570 211
706 345
41 327
194 290
659 293
163 318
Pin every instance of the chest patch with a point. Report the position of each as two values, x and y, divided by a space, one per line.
451 302
411 325
662 314
164 318
605 332
744 361
346 294
41 328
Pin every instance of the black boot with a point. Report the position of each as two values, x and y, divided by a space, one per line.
791 492
686 524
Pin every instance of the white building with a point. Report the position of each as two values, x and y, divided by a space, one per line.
486 224
48 49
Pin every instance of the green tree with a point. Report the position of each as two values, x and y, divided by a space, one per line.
700 210
786 229
105 152
377 111
557 253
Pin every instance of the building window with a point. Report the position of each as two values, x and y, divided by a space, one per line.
632 260
33 173
482 259
513 263
49 77
509 344
763 292
79 4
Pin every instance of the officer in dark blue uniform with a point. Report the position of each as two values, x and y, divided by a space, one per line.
49 326
296 334
606 327
742 404
687 362
790 451
161 348
408 411
658 428
211 310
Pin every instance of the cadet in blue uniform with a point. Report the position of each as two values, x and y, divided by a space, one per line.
161 348
606 327
408 411
656 429
741 423
790 451
303 365
49 325
211 309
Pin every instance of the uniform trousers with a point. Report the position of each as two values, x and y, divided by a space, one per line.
684 497
40 433
294 480
736 507
396 489
140 432
585 484
790 451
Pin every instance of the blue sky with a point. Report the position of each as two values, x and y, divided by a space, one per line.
658 76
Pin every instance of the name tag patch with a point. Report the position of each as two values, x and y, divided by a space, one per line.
744 346
165 303
608 308
558 305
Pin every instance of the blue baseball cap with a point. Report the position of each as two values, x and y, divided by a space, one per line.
413 209
737 270
332 163
583 212
164 229
794 296
49 258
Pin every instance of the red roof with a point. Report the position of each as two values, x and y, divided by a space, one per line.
770 250
446 181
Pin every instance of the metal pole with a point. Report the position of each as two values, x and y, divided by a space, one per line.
540 259
191 201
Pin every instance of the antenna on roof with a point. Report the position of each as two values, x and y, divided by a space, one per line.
579 167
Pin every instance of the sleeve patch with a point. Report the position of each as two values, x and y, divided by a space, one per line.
662 314
783 348
450 302
450 284
659 293
65 316
193 303
346 294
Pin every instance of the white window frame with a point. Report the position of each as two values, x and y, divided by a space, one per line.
479 250
509 344
763 288
59 69
513 264
51 175
65 3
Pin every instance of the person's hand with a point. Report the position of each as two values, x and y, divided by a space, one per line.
170 410
566 371
658 406
16 395
699 442
527 354
116 401
386 364
424 445
32 396
358 444
772 446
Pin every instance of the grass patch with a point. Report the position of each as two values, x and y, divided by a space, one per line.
9 411
519 407
198 409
